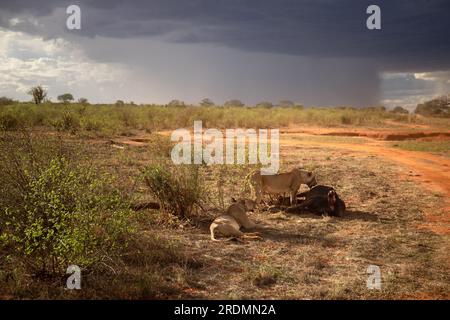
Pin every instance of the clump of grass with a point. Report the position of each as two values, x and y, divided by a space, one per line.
178 189
265 275
160 146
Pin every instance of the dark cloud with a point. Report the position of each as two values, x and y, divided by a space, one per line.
311 51
415 34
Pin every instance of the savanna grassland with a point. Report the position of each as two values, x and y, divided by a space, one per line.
108 120
79 184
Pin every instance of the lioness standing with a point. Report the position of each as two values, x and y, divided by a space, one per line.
281 183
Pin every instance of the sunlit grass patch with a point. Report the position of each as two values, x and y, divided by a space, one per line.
425 146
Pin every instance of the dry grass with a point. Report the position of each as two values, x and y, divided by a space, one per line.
438 146
302 257
309 257
108 120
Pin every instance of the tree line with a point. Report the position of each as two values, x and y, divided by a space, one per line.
437 107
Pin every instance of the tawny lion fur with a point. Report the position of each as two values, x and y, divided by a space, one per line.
229 225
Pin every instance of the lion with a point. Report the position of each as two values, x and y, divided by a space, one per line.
281 183
229 225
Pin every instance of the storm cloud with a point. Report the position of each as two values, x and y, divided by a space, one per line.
318 52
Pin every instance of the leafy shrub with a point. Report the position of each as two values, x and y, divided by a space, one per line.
400 110
83 101
93 125
176 103
127 117
265 104
346 119
234 103
55 213
4 101
179 189
438 107
69 123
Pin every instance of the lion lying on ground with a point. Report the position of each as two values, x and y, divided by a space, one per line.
229 225
287 182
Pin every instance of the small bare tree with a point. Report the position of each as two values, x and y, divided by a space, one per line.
38 93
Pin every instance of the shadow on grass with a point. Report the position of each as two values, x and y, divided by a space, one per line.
349 215
274 234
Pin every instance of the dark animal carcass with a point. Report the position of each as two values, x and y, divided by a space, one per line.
320 200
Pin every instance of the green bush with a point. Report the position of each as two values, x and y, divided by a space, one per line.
438 107
55 213
4 101
9 122
69 122
179 189
400 110
92 125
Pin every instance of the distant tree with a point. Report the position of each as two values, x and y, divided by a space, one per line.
119 103
264 104
399 109
378 109
4 101
234 103
438 107
286 104
66 97
207 103
38 93
83 101
176 103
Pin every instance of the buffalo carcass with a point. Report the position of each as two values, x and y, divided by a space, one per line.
320 200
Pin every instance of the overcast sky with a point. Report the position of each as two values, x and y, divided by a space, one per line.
314 52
